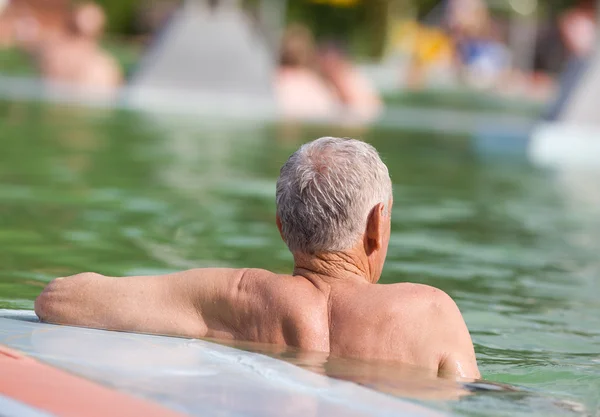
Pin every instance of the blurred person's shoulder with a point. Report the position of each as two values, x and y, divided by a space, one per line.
302 93
102 70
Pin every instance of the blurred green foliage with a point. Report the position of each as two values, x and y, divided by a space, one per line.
361 28
15 62
121 15
324 19
358 28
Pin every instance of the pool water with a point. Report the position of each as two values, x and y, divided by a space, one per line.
517 247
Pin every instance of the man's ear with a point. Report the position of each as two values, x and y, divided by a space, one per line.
278 221
374 232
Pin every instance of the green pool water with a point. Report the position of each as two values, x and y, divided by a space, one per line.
517 247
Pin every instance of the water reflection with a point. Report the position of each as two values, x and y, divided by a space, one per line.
406 381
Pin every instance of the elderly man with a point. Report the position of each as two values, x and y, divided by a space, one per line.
334 200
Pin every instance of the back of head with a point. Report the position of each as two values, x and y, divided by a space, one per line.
88 20
326 192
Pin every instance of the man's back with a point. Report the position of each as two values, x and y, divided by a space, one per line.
260 306
352 318
347 319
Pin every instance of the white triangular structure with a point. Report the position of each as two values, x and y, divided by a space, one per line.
206 53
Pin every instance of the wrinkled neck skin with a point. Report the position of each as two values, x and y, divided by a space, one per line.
329 269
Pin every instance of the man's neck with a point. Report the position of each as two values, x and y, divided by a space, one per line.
333 268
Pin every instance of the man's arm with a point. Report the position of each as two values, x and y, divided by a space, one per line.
452 338
183 304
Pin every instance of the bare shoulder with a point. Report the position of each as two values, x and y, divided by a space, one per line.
416 295
441 334
285 290
257 273
260 280
292 285
429 305
289 303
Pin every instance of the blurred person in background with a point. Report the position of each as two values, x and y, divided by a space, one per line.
300 90
321 84
578 28
352 88
76 58
25 23
483 56
432 55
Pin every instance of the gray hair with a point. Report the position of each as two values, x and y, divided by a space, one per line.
326 191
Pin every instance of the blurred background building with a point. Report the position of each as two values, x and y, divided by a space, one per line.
312 58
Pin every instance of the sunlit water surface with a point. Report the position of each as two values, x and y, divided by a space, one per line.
517 247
